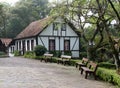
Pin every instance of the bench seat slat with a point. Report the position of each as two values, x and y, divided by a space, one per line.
87 69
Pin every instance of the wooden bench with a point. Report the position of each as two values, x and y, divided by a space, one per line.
83 63
90 70
65 59
48 57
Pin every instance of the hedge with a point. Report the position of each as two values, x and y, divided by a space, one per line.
107 65
29 54
108 75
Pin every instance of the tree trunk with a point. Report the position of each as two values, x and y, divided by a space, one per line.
91 53
117 62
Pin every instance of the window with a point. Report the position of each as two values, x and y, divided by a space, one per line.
63 27
51 45
55 26
32 44
66 45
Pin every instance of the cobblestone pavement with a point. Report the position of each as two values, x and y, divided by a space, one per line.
17 72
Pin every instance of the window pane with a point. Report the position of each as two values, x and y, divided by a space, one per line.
63 27
67 45
55 26
51 45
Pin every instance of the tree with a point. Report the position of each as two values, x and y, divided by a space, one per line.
4 8
23 13
96 13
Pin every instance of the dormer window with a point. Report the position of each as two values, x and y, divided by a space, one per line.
55 26
63 27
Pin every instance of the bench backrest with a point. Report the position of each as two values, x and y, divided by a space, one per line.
48 55
65 57
85 60
93 66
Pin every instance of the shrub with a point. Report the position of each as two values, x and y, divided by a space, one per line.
29 54
108 75
67 53
2 53
17 53
104 74
116 79
107 65
39 57
83 54
56 53
39 50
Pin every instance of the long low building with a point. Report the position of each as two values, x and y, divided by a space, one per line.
55 33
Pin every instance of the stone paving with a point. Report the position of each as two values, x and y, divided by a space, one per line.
17 72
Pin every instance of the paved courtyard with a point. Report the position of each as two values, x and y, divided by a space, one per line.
17 72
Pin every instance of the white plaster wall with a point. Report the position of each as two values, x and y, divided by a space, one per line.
45 42
70 32
75 53
62 43
57 43
48 30
72 42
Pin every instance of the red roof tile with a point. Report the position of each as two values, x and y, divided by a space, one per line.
6 41
34 28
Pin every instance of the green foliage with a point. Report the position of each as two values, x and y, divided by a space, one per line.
21 15
116 79
107 65
83 54
17 53
108 75
105 74
39 50
72 62
2 53
56 53
68 53
29 54
39 57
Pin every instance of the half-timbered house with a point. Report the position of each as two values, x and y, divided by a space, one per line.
55 33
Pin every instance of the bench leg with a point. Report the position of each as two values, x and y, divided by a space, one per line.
41 59
79 67
76 65
86 74
46 60
64 63
58 62
81 71
94 76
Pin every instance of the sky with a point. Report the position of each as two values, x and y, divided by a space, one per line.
9 1
12 2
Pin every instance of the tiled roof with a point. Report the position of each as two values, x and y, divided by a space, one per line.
6 41
34 28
